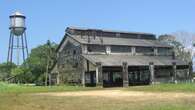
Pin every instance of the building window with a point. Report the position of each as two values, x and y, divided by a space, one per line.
144 50
164 51
96 48
120 49
68 52
74 52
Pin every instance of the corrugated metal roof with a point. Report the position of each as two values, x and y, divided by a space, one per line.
106 30
119 41
117 60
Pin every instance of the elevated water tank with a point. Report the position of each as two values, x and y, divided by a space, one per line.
17 23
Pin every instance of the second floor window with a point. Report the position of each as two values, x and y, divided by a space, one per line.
144 50
164 51
120 49
96 48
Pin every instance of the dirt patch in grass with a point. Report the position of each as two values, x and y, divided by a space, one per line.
98 100
122 94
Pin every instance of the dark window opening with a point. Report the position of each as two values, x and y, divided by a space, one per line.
74 52
164 51
96 48
120 49
145 50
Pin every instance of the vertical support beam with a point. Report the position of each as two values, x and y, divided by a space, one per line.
83 73
108 49
155 51
18 51
58 78
133 52
83 78
151 68
9 48
23 47
84 49
190 67
49 79
125 75
99 78
12 47
26 45
87 62
174 72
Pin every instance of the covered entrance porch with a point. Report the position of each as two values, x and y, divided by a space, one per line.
119 70
119 76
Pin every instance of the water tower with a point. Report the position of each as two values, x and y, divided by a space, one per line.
17 39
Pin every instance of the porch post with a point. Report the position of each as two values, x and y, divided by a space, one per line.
125 75
58 78
174 72
99 77
190 77
151 68
83 73
49 79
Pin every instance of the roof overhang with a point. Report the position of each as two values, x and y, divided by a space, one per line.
117 60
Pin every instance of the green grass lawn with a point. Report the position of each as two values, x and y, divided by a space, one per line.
20 97
181 87
30 102
14 88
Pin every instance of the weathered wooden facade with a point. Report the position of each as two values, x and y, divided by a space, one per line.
114 58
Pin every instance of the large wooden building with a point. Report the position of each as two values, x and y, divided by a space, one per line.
115 58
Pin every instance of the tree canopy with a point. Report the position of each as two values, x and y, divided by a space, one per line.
34 68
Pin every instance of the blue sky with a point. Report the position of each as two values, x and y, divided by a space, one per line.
47 19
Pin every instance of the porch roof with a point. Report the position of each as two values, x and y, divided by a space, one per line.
116 60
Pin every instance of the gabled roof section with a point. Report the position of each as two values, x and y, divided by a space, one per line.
121 41
109 33
63 41
111 37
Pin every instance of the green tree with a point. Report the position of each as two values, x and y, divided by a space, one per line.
22 74
179 48
5 70
38 60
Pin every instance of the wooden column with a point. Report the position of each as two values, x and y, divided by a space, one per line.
83 72
108 49
125 75
190 77
151 68
50 79
155 51
133 51
99 76
58 78
174 72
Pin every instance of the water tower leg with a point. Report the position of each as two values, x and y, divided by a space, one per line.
26 43
9 48
18 50
12 47
23 47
